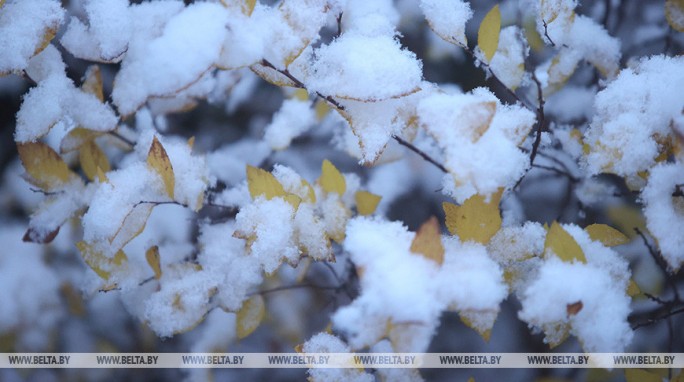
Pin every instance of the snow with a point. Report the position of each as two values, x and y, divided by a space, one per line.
328 343
189 45
364 68
23 27
30 298
632 115
480 139
58 98
601 324
393 278
293 119
665 213
508 64
448 19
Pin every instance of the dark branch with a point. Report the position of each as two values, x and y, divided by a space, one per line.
420 152
540 119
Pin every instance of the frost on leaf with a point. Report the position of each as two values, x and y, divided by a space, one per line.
448 19
422 283
664 212
479 137
365 68
549 299
26 28
674 13
633 117
328 343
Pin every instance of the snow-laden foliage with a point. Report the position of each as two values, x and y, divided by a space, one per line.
212 167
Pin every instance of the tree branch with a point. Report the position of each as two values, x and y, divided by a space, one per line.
418 151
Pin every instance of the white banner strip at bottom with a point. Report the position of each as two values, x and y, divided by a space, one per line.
341 360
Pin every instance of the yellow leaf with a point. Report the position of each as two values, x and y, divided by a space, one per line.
428 241
322 108
475 220
101 176
261 182
311 195
294 200
626 218
47 37
248 7
488 35
152 256
301 94
674 13
640 375
132 225
366 202
250 315
331 179
45 167
560 242
191 142
606 234
76 138
92 158
98 262
633 289
160 162
92 82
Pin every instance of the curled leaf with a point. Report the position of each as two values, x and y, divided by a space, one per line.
250 316
160 162
153 259
488 35
428 241
331 179
45 167
574 308
366 202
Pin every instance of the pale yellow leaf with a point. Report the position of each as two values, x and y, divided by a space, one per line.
606 234
92 82
92 158
101 177
428 241
560 242
153 259
294 200
301 94
262 182
250 316
76 138
132 225
633 289
626 218
366 202
331 179
321 108
674 13
248 7
475 220
47 37
480 321
191 142
45 167
98 262
159 161
488 35
641 375
311 194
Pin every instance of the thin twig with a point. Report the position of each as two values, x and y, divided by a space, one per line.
655 320
122 138
546 33
540 119
418 151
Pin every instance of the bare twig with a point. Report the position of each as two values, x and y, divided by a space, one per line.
657 319
122 138
540 119
546 33
418 151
